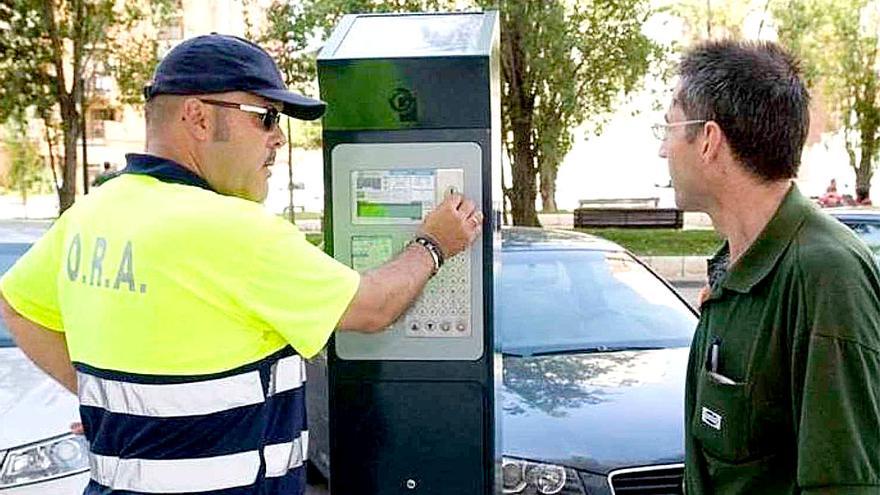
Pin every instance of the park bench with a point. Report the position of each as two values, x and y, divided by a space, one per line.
626 213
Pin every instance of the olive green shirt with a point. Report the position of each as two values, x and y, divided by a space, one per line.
790 401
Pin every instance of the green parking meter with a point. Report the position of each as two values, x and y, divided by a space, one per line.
413 114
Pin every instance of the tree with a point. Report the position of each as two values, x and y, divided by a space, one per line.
26 173
46 51
837 40
281 39
716 19
563 63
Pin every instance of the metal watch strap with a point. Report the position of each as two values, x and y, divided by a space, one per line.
433 250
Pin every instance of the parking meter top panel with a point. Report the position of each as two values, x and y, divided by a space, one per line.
392 187
422 35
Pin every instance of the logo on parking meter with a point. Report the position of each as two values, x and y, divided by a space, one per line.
404 103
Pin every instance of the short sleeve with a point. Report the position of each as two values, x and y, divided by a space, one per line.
837 371
31 285
293 286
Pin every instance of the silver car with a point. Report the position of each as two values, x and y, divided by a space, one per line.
38 453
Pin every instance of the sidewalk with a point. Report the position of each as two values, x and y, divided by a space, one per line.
682 271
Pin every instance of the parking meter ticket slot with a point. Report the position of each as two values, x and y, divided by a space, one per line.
449 181
370 251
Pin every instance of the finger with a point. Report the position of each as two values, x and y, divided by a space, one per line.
479 216
466 208
454 200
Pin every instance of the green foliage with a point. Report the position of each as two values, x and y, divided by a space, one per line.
714 19
306 135
563 64
50 49
26 173
839 45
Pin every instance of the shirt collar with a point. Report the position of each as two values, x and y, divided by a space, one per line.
163 169
761 257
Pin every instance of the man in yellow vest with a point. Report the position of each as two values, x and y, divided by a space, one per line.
180 311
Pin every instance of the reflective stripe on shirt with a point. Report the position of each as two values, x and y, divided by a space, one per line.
178 399
241 429
188 399
288 374
178 475
282 457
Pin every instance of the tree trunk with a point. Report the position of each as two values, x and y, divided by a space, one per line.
865 171
50 142
66 102
290 216
548 188
70 125
85 136
522 198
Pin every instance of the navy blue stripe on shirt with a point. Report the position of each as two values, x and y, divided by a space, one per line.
166 379
163 169
294 482
95 488
281 419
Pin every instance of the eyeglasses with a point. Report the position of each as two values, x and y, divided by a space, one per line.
269 116
661 131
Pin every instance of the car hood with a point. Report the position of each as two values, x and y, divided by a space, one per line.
33 406
596 412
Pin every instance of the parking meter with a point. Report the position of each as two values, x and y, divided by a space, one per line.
413 114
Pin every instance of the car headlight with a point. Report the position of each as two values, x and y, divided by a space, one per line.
533 478
53 458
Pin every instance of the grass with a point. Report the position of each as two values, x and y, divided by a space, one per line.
642 242
304 215
662 242
315 237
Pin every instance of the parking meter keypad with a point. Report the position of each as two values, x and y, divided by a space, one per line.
444 308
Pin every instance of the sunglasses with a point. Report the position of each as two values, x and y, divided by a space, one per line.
269 116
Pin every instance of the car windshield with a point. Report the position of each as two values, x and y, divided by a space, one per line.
9 253
566 301
869 232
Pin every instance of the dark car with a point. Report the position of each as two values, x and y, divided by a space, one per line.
595 350
865 222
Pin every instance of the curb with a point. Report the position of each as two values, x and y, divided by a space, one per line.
680 270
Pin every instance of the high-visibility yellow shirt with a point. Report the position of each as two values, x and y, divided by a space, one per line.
156 277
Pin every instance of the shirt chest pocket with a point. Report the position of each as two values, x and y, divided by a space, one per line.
724 420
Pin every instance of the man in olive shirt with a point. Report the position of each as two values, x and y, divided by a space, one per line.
783 384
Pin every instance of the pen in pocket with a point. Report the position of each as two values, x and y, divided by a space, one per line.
714 354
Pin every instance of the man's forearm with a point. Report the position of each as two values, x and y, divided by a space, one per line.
47 349
386 292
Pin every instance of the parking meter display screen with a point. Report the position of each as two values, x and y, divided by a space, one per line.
409 36
392 196
368 252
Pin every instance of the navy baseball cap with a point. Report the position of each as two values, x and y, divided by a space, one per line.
217 63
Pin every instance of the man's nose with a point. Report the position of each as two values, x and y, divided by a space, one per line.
278 139
662 151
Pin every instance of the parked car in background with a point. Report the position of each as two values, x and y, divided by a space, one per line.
38 454
865 222
595 349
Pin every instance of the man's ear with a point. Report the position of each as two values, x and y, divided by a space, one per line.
714 141
196 119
